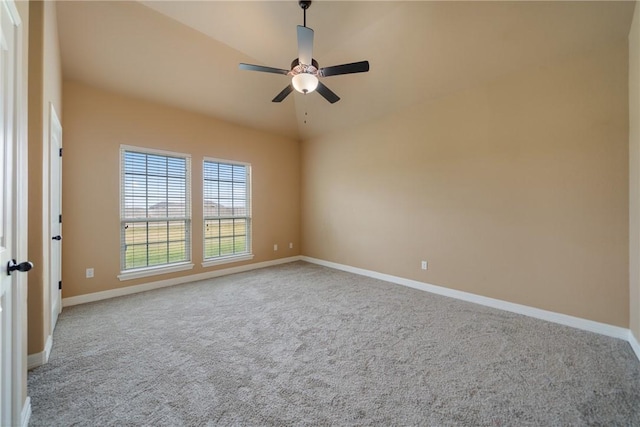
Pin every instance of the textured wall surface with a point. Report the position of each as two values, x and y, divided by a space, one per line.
516 190
97 122
634 174
45 92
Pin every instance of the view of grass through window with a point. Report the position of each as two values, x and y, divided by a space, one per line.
154 243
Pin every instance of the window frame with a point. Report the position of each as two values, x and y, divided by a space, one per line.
170 267
244 256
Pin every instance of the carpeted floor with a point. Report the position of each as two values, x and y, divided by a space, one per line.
300 344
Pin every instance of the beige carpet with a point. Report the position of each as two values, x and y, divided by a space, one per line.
300 344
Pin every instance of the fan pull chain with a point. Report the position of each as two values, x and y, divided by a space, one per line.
305 108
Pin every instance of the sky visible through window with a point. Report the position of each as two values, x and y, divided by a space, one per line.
225 187
150 181
153 182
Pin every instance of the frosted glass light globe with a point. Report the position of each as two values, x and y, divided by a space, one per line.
304 82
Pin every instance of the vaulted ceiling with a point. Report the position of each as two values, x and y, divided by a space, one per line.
186 54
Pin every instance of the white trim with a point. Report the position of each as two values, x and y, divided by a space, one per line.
562 319
225 161
188 218
34 360
98 296
41 358
54 258
19 221
633 342
153 271
550 316
227 260
246 217
145 150
13 13
47 348
25 415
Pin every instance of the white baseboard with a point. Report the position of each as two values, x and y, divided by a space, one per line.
550 316
98 296
633 341
39 359
25 415
563 319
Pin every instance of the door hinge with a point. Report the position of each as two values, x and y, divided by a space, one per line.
60 218
60 285
61 152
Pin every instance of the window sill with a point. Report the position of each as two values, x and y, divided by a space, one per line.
153 271
227 260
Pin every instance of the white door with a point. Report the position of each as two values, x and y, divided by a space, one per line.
55 211
12 145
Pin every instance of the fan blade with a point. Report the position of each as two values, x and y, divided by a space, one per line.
355 67
327 93
282 95
251 67
305 45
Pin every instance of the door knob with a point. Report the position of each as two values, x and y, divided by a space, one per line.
23 266
58 237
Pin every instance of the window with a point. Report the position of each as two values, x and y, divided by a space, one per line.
227 211
155 212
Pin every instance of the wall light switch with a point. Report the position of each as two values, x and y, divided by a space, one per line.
89 273
275 247
424 265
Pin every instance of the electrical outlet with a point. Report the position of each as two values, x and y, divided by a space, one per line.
89 273
424 265
290 245
275 247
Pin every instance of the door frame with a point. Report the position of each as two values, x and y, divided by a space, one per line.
21 406
55 200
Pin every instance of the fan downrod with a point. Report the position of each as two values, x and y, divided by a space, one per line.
304 4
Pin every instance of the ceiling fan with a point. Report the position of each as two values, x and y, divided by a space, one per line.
304 70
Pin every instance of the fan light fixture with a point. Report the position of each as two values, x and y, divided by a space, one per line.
304 82
305 71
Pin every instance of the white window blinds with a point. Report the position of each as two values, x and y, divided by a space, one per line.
155 208
227 209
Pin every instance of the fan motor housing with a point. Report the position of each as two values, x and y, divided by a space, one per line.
298 68
296 62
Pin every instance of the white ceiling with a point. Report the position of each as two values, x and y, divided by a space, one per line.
186 53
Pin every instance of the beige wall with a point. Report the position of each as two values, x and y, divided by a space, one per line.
45 86
634 174
97 122
516 190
